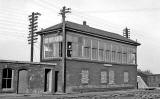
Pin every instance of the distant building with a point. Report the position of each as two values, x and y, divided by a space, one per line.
96 60
151 80
154 80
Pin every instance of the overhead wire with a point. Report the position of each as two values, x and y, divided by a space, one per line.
122 10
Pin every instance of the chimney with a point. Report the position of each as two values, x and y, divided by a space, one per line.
84 23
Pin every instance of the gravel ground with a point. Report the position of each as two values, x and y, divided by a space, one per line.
130 94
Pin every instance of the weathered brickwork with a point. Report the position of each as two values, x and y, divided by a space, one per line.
35 76
74 68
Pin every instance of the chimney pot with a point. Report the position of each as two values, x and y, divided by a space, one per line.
84 23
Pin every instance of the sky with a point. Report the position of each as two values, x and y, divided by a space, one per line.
142 17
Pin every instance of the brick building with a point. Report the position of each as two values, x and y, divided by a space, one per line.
96 60
26 77
153 80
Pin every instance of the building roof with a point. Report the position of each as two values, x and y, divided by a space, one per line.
85 29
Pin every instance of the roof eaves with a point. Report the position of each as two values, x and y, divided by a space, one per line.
104 36
50 29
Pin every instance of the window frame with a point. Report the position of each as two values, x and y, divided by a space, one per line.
84 76
111 77
54 44
126 80
105 80
6 78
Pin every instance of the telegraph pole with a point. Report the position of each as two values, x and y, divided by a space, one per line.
63 12
126 32
32 28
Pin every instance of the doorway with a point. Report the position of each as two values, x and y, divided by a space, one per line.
22 83
56 81
48 80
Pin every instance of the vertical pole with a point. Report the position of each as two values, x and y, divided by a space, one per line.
32 27
63 50
63 13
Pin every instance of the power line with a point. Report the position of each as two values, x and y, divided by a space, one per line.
51 5
4 28
12 37
12 21
43 5
14 10
122 10
3 16
99 23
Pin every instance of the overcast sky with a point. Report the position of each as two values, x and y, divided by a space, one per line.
142 17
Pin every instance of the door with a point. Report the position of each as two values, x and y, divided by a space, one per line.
48 80
56 81
22 84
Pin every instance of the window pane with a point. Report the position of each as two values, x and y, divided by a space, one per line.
94 53
125 77
60 49
119 57
69 49
133 58
95 44
9 73
80 43
113 56
101 55
87 42
56 49
51 46
7 79
108 58
111 77
75 49
5 73
86 52
124 57
103 77
4 83
84 78
9 83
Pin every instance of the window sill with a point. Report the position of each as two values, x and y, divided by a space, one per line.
7 89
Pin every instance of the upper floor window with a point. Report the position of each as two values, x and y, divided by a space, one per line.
132 56
74 46
124 55
108 53
94 49
101 51
87 48
114 48
119 55
69 49
52 46
7 78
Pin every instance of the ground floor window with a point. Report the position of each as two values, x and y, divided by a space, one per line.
126 78
7 78
103 77
111 77
84 77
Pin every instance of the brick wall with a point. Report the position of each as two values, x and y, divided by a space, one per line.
74 68
35 76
